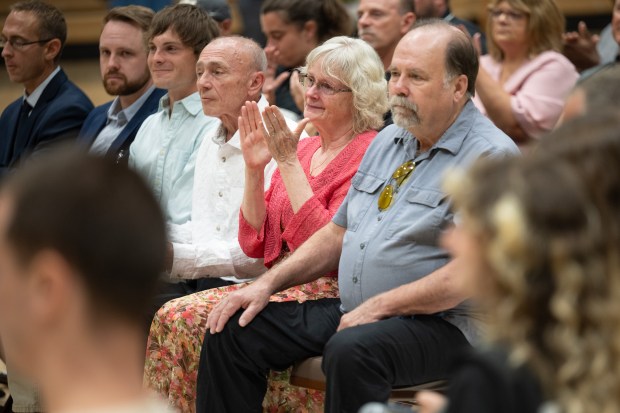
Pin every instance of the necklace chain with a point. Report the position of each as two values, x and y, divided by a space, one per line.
313 169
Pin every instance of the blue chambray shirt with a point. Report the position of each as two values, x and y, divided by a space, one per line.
384 250
165 150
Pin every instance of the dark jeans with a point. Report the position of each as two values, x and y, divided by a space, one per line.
361 363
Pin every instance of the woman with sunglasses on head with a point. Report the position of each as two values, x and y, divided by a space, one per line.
523 81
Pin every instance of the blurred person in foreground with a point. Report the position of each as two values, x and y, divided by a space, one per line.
75 279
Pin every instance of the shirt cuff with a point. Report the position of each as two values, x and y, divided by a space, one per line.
184 261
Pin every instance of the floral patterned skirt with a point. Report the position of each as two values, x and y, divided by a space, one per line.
175 340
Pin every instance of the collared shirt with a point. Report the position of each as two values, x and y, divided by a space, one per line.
208 244
165 149
33 98
118 118
383 250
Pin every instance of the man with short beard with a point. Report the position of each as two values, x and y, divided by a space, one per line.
110 128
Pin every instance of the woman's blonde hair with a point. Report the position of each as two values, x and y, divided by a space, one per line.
549 228
356 64
544 30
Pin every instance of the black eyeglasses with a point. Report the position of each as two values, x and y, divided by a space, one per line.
324 88
19 44
399 176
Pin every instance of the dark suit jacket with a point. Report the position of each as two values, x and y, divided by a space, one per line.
97 119
58 114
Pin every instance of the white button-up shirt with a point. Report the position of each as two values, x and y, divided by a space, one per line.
208 246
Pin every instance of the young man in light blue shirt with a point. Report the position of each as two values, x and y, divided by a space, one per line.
165 148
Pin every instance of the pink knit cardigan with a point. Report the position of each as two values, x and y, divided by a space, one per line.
329 188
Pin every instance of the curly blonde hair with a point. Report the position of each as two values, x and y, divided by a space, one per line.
356 64
549 226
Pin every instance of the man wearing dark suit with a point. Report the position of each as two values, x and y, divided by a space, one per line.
110 128
52 108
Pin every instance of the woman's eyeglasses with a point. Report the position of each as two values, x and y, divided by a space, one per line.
511 15
324 88
399 176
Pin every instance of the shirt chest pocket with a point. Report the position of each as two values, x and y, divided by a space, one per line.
366 194
419 217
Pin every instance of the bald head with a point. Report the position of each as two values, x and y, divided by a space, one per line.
230 70
460 56
247 51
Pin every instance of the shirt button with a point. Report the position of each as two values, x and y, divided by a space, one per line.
217 228
379 218
223 159
354 280
220 194
362 245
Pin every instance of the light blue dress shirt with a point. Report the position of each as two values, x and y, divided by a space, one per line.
165 150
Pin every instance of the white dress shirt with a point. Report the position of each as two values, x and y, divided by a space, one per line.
208 246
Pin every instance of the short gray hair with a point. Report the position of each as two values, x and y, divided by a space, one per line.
356 64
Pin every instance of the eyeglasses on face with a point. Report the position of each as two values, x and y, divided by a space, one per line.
19 43
512 15
399 176
323 88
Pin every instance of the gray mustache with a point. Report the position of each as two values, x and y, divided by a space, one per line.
401 101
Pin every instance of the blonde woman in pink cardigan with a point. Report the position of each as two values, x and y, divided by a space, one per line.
524 80
345 99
